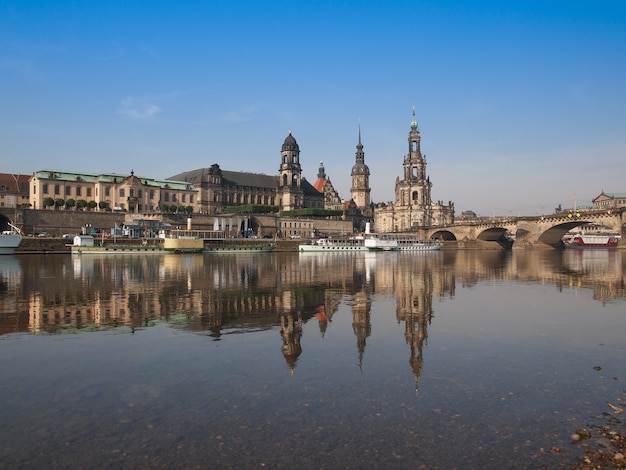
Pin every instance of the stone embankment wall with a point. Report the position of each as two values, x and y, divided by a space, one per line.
56 223
43 245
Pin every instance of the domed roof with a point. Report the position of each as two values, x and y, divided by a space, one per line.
360 169
290 143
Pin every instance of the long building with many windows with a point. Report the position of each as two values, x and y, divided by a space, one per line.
111 191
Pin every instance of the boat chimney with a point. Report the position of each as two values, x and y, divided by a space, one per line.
367 228
189 224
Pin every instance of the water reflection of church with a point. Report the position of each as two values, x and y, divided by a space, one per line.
282 293
230 295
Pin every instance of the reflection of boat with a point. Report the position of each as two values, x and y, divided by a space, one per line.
10 240
333 245
587 240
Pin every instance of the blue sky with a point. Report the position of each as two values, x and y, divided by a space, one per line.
521 104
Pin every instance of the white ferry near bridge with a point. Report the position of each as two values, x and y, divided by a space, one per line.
591 236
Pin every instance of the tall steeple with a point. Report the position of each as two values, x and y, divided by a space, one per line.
414 189
360 190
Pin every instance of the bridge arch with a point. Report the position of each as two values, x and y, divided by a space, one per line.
493 234
445 235
4 222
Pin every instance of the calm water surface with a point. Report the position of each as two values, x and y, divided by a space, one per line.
457 359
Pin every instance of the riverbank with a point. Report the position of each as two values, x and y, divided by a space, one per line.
35 245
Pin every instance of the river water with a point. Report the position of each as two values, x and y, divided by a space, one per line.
454 359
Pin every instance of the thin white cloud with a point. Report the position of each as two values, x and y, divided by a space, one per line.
240 115
138 109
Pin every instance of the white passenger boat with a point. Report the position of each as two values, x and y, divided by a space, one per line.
375 242
322 245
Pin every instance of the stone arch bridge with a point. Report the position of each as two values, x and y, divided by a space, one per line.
529 231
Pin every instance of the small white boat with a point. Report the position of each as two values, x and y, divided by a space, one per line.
10 240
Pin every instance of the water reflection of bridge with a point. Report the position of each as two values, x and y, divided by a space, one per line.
220 296
540 230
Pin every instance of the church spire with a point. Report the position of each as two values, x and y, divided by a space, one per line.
321 174
360 155
414 121
360 190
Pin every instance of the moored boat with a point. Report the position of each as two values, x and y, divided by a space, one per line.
10 240
240 246
587 240
84 244
325 245
374 242
408 244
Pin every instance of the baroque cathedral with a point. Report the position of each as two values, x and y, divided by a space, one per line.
413 208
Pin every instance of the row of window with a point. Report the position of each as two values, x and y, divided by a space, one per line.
78 190
231 198
611 203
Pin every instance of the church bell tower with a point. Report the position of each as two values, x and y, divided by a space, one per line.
290 174
415 190
360 190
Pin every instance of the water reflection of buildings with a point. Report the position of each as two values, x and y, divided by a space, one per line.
218 295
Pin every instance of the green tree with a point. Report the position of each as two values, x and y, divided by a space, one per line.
81 204
60 202
173 208
92 205
70 203
188 209
181 208
103 205
48 202
164 207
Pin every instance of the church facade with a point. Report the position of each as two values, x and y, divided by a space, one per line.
413 208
